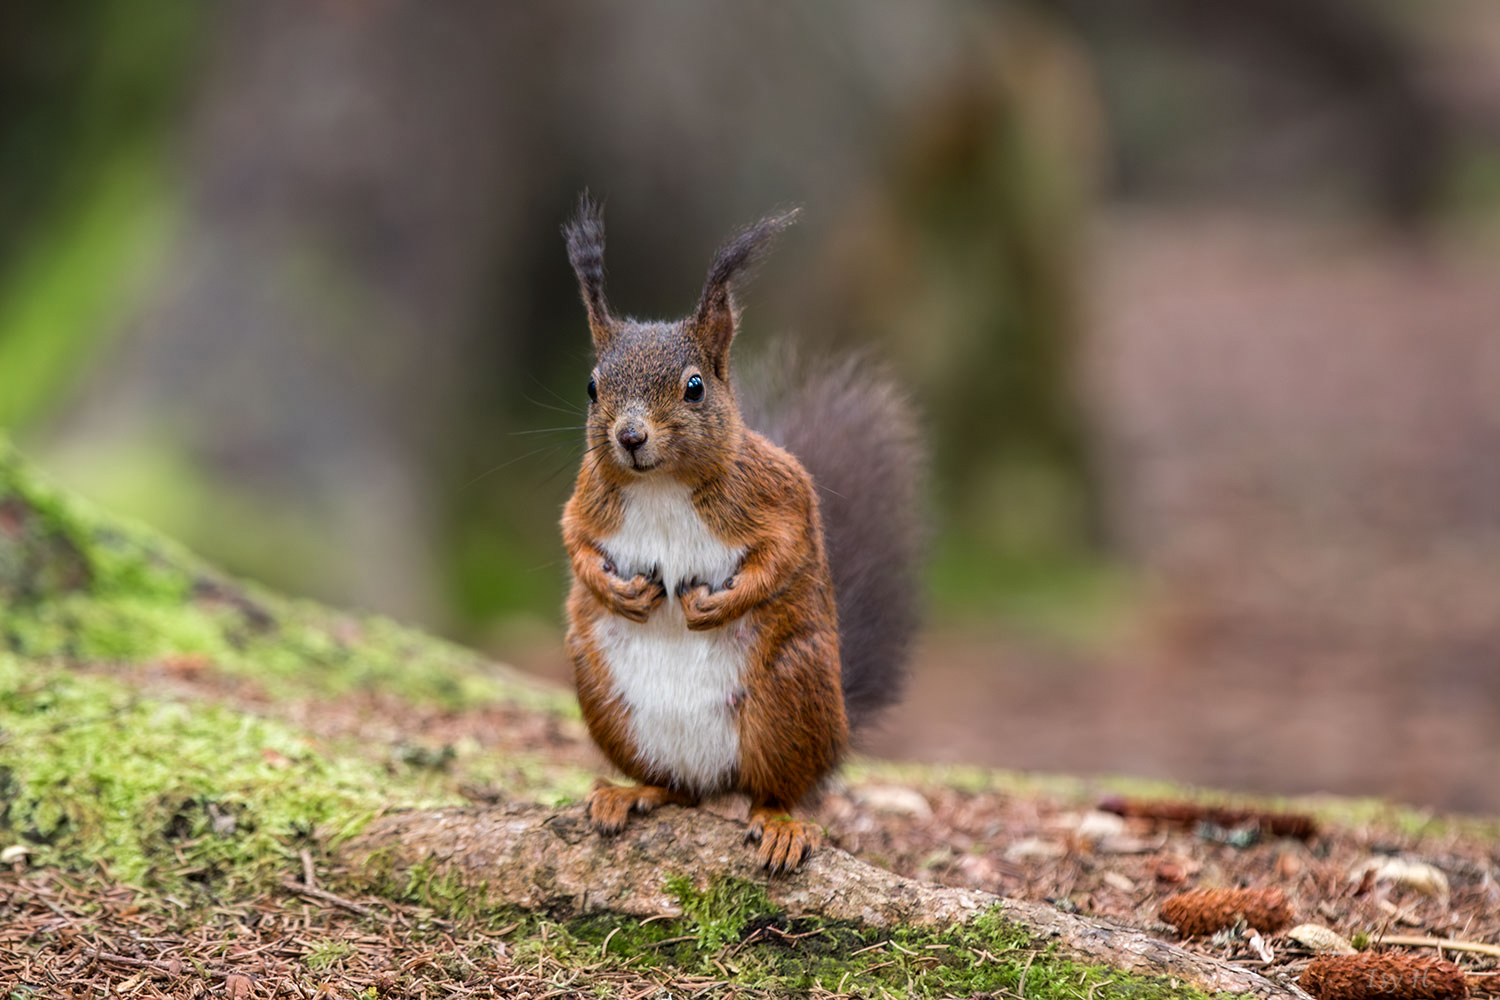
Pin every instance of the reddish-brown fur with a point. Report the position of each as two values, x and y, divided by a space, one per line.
751 495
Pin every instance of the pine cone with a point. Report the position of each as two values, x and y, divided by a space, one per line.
1387 976
1204 911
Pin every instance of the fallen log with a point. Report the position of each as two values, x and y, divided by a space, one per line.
528 856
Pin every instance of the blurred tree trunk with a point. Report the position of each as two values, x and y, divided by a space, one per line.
87 92
1352 51
346 170
1356 68
965 259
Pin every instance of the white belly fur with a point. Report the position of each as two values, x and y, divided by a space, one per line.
678 684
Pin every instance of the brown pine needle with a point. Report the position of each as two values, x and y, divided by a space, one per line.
1413 941
324 896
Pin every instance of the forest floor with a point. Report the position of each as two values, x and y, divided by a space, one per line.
82 933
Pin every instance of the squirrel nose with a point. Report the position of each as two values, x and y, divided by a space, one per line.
630 437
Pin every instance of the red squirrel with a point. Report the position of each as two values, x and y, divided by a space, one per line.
739 597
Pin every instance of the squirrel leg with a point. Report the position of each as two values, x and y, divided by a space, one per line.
611 805
785 842
792 733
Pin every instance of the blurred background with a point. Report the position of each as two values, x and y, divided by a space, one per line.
1200 299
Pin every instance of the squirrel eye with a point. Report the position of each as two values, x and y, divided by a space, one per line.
593 391
694 390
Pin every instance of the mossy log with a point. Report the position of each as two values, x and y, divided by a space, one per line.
528 856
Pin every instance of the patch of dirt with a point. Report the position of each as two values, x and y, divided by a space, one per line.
1298 424
1242 714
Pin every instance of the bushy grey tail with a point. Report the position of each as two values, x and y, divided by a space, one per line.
858 436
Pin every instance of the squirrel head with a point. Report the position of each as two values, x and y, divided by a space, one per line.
660 398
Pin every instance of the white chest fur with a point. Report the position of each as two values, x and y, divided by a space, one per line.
679 685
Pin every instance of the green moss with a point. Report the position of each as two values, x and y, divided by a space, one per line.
56 301
163 792
79 586
326 954
721 912
730 932
443 888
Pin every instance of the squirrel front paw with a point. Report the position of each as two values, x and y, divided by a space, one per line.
636 597
704 607
609 806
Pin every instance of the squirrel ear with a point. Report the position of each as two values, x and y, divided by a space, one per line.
716 317
585 236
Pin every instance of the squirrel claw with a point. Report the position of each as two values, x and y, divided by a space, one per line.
637 597
610 806
703 606
784 842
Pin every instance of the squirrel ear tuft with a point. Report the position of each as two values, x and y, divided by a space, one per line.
585 236
715 320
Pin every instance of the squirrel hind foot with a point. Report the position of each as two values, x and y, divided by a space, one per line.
610 806
785 842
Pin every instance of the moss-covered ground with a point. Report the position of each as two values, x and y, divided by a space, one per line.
80 586
95 773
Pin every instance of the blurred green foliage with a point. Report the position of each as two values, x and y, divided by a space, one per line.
88 92
57 300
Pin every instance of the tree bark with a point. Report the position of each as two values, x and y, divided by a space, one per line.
525 855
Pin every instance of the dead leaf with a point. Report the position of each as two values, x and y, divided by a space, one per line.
1418 875
1034 849
1320 940
1096 826
893 800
